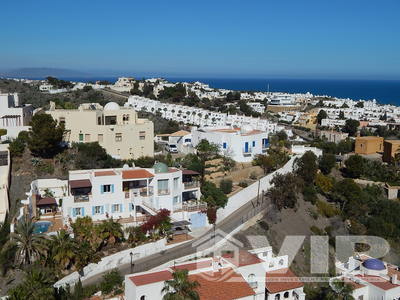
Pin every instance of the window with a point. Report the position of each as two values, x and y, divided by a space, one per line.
175 200
87 137
81 137
176 182
224 145
254 143
77 211
142 135
118 137
116 208
125 118
62 121
97 210
264 143
286 295
100 138
107 188
143 297
98 120
163 187
251 279
188 140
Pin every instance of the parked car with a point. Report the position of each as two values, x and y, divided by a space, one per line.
171 148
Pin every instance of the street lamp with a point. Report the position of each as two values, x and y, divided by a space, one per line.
132 264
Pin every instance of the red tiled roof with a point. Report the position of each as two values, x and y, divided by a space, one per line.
281 280
379 282
355 285
194 266
136 174
190 172
225 284
104 173
80 183
151 277
245 258
46 201
252 132
172 170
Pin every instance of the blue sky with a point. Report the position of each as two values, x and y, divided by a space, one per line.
253 38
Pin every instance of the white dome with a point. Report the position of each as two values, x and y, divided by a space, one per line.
111 106
246 129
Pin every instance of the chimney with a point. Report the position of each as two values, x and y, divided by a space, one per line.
393 279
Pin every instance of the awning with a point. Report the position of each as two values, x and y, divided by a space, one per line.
180 223
82 183
190 172
46 201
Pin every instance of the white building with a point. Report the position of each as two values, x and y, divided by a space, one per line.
182 139
13 116
131 194
370 278
301 149
257 106
282 99
4 181
245 275
240 144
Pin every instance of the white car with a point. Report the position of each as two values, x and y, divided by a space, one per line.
171 148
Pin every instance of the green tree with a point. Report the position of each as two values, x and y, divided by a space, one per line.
283 193
93 156
112 282
321 115
212 195
326 162
29 246
84 254
110 232
205 151
306 167
351 127
180 287
62 248
45 137
340 290
266 162
355 166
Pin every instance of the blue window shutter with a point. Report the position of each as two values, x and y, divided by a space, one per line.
102 209
83 211
122 207
93 210
112 188
130 206
224 145
101 189
112 208
74 212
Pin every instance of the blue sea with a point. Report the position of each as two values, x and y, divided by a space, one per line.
384 91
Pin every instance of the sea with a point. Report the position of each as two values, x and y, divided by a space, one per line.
383 91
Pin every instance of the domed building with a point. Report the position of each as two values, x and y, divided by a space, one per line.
160 167
373 266
111 106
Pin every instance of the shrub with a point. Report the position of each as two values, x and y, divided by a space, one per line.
226 186
253 175
324 183
327 209
264 225
243 184
317 231
310 194
112 281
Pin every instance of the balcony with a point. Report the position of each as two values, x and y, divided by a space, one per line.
163 192
191 184
247 152
139 192
81 198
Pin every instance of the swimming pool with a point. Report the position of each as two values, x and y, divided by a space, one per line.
41 226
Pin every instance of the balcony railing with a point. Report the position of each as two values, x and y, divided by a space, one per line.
191 184
81 198
163 192
247 152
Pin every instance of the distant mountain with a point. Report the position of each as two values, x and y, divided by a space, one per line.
41 73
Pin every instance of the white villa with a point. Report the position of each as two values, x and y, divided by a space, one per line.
240 144
370 278
13 116
246 275
127 194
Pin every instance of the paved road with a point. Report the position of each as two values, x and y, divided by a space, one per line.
236 219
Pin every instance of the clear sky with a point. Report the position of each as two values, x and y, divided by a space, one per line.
236 38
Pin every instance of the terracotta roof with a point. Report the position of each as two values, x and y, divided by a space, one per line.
251 132
222 285
151 277
281 280
379 282
228 130
172 170
354 284
80 183
190 172
245 258
194 266
136 174
46 201
180 133
104 173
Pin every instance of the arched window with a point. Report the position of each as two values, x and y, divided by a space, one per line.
277 296
286 295
143 297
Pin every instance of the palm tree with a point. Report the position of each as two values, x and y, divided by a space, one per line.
340 290
110 231
62 249
85 255
29 246
180 287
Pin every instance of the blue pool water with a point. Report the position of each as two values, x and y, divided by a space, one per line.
41 226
